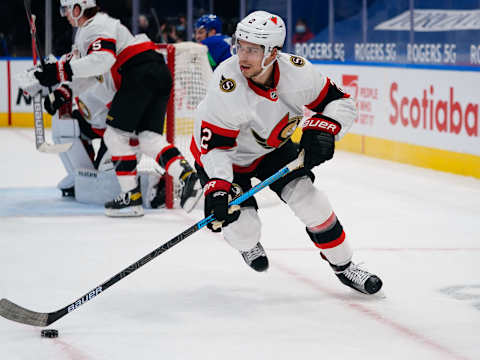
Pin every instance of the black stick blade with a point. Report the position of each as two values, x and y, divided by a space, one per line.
13 312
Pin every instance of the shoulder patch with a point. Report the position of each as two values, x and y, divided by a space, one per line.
297 60
227 85
84 110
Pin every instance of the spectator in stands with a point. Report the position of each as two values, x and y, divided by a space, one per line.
173 36
166 33
181 28
208 31
144 27
302 32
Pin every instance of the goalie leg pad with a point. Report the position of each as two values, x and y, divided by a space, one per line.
96 187
151 189
66 127
244 233
68 131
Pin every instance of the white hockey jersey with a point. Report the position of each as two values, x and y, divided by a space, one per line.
238 122
94 104
104 45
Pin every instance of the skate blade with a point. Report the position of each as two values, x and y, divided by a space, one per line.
133 211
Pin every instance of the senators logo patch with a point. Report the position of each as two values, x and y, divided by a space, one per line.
100 78
84 110
297 61
280 134
227 85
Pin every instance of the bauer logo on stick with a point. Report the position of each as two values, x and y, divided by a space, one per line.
297 61
227 85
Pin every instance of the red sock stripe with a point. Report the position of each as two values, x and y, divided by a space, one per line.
163 150
98 131
126 173
124 158
325 225
172 160
332 243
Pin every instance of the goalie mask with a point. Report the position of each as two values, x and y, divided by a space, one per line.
261 28
68 5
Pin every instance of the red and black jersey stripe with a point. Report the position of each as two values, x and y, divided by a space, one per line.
125 165
215 137
329 93
102 44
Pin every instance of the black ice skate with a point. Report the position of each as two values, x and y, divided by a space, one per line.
256 258
126 204
358 279
191 187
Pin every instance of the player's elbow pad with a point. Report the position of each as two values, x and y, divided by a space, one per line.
344 111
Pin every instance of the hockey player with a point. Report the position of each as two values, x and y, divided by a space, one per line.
143 88
243 128
208 31
79 120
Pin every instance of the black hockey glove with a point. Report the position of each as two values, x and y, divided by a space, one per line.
218 193
54 73
318 140
61 96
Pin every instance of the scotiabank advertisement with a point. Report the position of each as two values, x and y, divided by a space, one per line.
432 108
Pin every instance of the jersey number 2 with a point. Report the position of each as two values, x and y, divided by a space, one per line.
206 136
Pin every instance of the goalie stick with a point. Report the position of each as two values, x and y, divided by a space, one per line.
40 142
12 311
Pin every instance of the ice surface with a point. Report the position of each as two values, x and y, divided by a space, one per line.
416 228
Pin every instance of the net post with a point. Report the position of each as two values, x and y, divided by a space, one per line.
170 125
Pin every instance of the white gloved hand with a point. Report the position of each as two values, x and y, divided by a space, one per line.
29 83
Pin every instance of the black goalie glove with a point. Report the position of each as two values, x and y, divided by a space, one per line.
58 98
54 73
318 140
218 193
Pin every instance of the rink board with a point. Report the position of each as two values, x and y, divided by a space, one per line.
422 117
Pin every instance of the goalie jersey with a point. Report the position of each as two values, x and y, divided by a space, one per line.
239 122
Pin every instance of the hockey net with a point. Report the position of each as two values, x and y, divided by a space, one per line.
191 72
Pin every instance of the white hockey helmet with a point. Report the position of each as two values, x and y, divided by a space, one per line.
70 4
262 28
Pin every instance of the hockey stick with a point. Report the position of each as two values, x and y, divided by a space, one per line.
12 311
40 142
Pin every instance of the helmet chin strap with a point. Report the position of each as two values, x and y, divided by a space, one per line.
265 67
